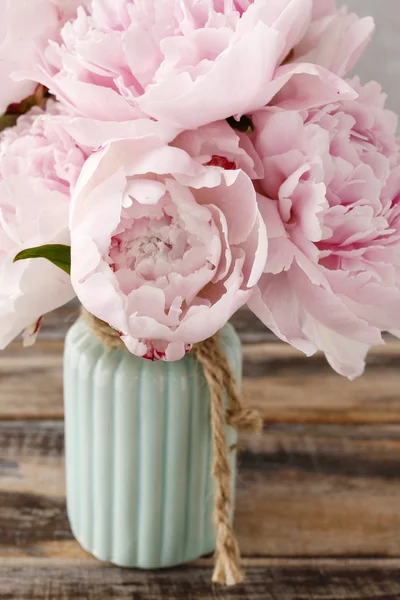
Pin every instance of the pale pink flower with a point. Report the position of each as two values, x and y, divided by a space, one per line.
39 162
25 29
166 247
331 203
335 38
188 62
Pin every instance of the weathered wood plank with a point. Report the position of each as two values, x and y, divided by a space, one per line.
286 386
31 381
302 490
320 491
282 383
263 583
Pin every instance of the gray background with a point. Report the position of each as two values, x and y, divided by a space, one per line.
382 57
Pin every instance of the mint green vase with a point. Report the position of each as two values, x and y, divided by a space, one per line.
138 453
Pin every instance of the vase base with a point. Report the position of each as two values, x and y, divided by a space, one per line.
147 567
170 563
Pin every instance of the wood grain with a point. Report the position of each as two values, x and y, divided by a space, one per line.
263 583
31 381
302 490
281 382
320 490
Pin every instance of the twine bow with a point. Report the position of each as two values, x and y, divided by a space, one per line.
220 378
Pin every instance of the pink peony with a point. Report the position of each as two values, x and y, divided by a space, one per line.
189 63
331 203
335 39
38 164
165 248
25 28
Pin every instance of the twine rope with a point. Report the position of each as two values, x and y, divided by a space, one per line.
220 378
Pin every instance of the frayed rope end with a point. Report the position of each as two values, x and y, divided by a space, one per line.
227 569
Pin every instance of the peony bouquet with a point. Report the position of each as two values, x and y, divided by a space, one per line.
168 162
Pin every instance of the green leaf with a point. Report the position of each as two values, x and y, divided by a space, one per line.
245 124
57 254
7 121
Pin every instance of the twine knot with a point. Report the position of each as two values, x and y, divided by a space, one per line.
220 378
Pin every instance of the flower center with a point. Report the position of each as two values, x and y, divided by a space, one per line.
171 246
148 246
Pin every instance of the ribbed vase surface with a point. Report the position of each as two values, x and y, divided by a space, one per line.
138 452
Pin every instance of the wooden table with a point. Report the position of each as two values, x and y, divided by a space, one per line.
318 494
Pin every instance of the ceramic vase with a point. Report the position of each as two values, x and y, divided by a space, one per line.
138 452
